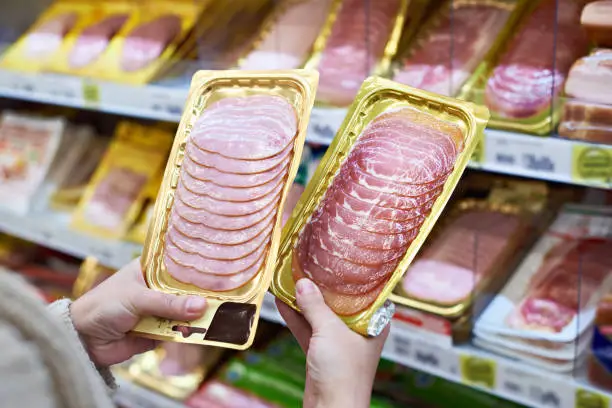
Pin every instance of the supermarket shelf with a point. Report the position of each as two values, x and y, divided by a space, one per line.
52 230
130 395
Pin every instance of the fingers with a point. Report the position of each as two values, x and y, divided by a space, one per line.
313 307
295 322
151 303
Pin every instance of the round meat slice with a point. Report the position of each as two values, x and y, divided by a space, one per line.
224 179
379 226
362 178
205 188
249 127
217 236
212 266
217 251
362 238
327 241
199 216
210 282
342 305
438 282
228 208
368 209
236 166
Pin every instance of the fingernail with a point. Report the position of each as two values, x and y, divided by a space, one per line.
195 304
304 286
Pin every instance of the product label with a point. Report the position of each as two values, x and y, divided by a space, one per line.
478 371
91 93
592 164
590 399
602 347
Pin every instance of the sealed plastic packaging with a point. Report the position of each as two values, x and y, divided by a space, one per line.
591 122
217 218
375 197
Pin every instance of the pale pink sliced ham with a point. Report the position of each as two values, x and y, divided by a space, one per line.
217 236
438 282
204 188
48 36
211 282
219 251
199 216
249 128
228 208
236 166
224 179
94 40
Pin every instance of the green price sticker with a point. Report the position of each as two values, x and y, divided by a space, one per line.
590 399
592 164
91 93
478 371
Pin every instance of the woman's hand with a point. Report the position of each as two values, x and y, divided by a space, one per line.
105 315
341 364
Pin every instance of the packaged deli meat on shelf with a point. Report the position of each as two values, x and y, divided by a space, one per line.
219 395
371 203
471 253
91 274
287 39
590 78
597 20
116 192
359 38
28 147
544 315
217 219
599 360
591 122
453 43
522 87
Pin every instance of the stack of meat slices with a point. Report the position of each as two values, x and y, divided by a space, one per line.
375 207
227 198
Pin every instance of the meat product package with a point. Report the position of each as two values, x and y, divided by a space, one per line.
590 78
597 20
591 122
147 40
553 293
374 198
91 274
28 147
219 395
470 253
453 43
599 360
522 87
42 43
217 219
358 39
287 39
117 191
175 370
138 232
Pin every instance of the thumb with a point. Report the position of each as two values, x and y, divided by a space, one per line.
174 307
313 307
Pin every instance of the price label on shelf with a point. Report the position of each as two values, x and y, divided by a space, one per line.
479 371
91 92
590 399
592 164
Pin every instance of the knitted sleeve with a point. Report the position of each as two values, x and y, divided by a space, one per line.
61 309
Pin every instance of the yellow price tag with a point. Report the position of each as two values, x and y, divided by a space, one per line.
91 93
592 164
590 399
478 371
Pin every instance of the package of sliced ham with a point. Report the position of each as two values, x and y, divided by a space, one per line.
554 292
375 197
116 192
597 20
217 220
522 87
590 78
591 122
452 44
147 40
358 39
42 43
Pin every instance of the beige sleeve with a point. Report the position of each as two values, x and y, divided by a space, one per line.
61 309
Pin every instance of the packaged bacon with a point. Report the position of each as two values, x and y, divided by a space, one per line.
471 251
597 20
38 47
451 45
522 87
375 197
217 219
553 293
147 40
591 122
115 195
359 39
590 78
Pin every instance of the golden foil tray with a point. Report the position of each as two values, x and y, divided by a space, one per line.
377 95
